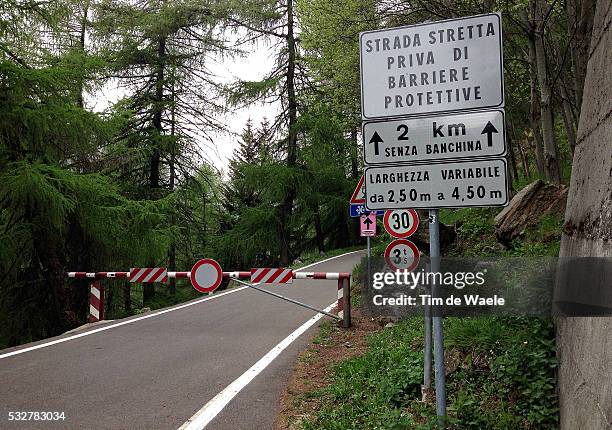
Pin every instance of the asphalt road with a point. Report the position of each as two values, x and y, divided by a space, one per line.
157 372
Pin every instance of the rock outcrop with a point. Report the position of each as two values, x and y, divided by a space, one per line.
527 207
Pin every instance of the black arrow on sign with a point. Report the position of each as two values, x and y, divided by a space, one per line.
489 130
368 222
376 139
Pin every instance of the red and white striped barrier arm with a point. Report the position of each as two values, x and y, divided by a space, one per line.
184 275
271 276
98 275
231 275
321 275
148 274
96 302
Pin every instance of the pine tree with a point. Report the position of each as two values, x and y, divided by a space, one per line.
276 21
159 51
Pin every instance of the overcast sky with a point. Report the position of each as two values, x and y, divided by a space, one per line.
250 68
253 67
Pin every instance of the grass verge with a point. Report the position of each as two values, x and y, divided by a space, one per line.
501 372
500 375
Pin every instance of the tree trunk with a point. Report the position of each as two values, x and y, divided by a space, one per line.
62 313
551 162
204 226
127 297
82 33
535 113
148 289
354 150
319 231
583 343
511 157
286 207
172 250
568 118
158 107
580 25
524 160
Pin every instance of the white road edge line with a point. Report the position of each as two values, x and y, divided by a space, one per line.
108 327
215 405
144 317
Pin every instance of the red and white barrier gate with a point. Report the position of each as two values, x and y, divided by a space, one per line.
343 278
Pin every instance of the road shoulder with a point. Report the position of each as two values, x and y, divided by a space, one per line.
314 365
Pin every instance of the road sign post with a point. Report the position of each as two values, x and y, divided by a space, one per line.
369 263
438 335
434 93
427 348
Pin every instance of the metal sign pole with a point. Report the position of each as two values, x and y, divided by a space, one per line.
369 263
428 357
434 254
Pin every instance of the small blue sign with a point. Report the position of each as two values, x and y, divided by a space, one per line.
359 209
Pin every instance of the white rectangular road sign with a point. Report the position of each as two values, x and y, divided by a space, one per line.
441 66
457 136
440 185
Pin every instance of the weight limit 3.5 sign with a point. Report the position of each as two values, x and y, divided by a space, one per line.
401 254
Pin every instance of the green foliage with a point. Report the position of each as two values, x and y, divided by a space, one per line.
476 234
505 379
245 92
47 209
99 191
512 370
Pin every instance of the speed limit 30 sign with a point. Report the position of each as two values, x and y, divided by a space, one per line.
401 223
401 254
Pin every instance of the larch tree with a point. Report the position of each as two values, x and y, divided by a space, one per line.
276 22
159 52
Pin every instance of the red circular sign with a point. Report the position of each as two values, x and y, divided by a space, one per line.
401 254
401 223
206 275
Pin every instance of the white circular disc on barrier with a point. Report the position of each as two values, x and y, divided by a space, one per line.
206 275
401 254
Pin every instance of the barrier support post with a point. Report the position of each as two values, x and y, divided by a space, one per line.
344 302
96 301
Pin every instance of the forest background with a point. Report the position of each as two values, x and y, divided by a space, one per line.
132 186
